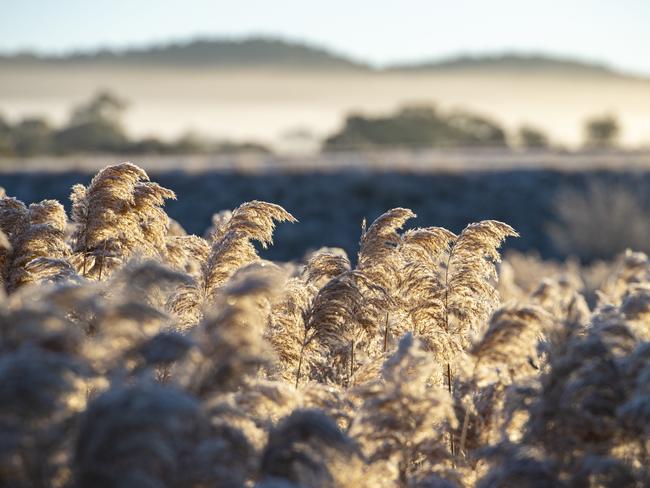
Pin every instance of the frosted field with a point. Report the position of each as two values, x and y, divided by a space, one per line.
333 194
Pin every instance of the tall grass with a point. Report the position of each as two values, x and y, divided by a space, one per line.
133 354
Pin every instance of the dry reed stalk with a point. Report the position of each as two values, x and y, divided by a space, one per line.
252 221
548 393
403 416
118 215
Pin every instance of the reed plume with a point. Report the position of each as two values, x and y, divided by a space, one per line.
13 216
508 350
632 268
635 307
334 326
41 393
118 215
149 435
134 354
39 252
470 277
5 249
252 221
380 262
507 353
378 256
403 417
576 414
422 290
186 253
562 301
5 245
219 225
13 219
230 337
286 328
517 466
308 449
326 264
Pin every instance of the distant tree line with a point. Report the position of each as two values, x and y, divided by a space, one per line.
424 126
96 127
417 126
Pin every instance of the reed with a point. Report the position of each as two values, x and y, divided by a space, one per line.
134 354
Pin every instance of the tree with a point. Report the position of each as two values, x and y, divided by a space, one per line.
104 107
602 131
32 136
417 126
532 137
95 126
6 143
474 130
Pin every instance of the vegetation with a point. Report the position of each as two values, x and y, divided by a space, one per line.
532 138
96 127
133 354
602 131
270 52
510 63
417 126
214 53
582 215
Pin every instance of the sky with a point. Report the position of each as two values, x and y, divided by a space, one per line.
381 32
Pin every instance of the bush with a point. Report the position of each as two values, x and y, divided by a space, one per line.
96 126
6 143
532 138
89 137
417 126
32 136
602 131
600 221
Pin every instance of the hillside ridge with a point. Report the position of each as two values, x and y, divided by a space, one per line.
277 53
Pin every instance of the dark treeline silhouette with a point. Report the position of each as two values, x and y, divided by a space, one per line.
417 126
424 126
602 131
96 127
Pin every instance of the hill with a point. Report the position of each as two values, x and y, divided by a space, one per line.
266 52
262 90
206 53
510 63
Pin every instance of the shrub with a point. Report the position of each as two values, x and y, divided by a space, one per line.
602 131
600 221
532 138
417 126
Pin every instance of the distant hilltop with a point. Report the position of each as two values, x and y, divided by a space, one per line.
510 62
263 52
209 53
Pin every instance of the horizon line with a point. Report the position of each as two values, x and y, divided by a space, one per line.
407 62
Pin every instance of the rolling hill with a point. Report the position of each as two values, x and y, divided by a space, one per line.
264 89
510 63
207 53
266 52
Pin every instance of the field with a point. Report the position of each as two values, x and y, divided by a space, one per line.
331 194
264 105
413 357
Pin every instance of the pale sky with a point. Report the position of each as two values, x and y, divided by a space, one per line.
616 32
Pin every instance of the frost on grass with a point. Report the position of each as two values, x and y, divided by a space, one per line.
134 354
